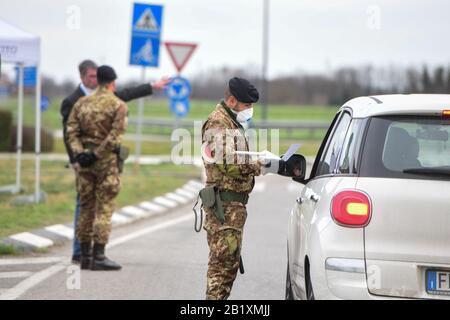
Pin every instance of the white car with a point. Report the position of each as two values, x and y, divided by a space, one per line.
373 220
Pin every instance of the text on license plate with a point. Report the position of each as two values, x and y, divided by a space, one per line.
438 282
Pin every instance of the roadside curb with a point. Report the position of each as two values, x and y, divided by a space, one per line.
44 238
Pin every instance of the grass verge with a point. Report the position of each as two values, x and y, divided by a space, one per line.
58 182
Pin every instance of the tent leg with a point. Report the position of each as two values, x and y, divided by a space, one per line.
37 194
19 137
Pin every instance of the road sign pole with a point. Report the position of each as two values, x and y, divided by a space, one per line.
139 124
37 194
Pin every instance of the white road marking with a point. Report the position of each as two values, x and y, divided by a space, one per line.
33 240
61 230
134 211
146 231
12 262
27 284
165 202
12 275
118 218
37 278
176 197
147 205
189 195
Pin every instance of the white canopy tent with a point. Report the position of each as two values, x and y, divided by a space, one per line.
21 48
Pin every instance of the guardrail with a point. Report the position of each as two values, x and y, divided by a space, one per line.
163 125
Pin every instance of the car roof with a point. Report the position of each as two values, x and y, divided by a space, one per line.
423 104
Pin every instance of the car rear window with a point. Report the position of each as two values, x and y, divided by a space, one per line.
407 147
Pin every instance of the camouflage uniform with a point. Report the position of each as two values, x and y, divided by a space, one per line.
97 123
225 239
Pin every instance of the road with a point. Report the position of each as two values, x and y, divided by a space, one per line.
163 258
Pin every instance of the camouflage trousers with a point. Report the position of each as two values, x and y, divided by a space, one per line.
225 243
98 187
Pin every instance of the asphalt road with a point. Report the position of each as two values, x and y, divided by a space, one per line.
163 258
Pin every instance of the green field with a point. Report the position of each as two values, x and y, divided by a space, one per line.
58 182
159 109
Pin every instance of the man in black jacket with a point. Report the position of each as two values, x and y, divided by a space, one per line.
88 76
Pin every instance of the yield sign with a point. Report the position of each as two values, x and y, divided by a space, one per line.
180 53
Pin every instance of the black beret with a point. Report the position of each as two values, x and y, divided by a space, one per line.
243 90
106 74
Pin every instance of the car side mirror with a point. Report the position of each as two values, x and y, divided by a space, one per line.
296 167
298 162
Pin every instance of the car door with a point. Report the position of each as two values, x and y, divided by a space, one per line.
303 213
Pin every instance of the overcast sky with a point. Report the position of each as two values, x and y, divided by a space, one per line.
308 35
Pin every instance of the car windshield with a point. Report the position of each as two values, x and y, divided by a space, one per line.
410 145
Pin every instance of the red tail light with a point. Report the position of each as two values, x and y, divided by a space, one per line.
351 208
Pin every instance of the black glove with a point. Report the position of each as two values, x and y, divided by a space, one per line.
86 159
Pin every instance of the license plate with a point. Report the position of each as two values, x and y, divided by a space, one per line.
438 282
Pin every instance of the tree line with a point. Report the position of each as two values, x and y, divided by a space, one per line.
300 88
334 88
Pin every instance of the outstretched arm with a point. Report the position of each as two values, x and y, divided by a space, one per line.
135 92
142 90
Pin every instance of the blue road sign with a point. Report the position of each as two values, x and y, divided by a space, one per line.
180 107
29 76
146 35
178 91
179 88
45 103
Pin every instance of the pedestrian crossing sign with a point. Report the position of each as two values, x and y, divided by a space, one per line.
146 35
147 22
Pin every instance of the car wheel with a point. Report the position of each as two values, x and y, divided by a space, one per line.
289 294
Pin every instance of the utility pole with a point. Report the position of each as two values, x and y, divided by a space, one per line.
265 59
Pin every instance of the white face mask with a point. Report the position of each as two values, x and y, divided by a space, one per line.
244 117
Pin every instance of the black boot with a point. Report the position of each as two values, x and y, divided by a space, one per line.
86 255
100 261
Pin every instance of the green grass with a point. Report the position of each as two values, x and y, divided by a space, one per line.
148 147
159 109
58 182
153 148
50 119
7 250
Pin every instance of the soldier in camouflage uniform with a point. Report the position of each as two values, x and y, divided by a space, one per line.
234 176
95 129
